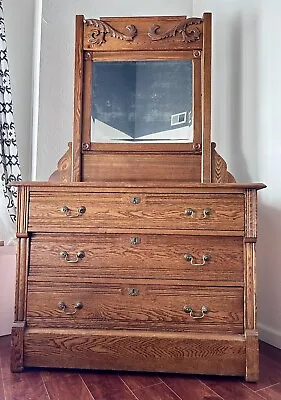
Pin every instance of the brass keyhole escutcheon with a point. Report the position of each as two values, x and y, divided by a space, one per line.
135 240
135 200
133 292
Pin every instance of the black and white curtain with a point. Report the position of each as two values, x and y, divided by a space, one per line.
9 161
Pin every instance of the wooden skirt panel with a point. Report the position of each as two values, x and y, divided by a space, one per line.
223 212
135 351
137 256
137 167
132 306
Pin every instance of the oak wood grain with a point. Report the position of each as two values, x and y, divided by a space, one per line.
155 256
134 281
252 355
219 170
146 187
78 96
152 211
136 167
153 308
17 346
206 96
141 41
23 210
64 168
123 350
186 387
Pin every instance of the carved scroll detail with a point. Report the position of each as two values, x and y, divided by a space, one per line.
187 28
101 29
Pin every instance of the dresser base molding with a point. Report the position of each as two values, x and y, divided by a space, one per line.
135 351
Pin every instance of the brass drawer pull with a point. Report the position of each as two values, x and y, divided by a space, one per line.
79 255
63 307
68 212
135 240
190 258
195 314
207 212
133 292
190 212
135 200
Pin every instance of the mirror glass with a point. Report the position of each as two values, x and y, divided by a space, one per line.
142 101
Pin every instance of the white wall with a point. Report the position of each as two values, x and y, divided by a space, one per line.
269 166
245 105
19 21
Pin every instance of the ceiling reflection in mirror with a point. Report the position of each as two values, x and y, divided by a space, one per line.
142 101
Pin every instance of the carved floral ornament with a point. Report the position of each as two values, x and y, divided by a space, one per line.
187 29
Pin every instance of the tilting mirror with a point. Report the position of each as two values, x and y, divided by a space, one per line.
142 101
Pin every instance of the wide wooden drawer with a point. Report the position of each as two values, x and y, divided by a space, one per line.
130 305
198 258
61 211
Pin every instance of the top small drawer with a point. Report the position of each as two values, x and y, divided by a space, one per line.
60 211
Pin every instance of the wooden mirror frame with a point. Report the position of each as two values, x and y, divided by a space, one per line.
142 38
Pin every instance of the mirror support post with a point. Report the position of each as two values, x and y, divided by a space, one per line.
206 96
78 82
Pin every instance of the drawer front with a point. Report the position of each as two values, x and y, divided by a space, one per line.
60 211
197 258
135 306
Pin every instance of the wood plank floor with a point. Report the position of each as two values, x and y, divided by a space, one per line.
54 384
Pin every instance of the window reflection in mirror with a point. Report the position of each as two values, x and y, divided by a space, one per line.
142 101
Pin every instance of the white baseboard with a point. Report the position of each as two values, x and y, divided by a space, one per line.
269 335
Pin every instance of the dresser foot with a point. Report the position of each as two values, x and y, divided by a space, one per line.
252 356
17 346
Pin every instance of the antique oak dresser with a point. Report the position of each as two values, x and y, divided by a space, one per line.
139 252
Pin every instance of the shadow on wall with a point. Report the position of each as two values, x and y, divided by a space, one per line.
269 270
236 93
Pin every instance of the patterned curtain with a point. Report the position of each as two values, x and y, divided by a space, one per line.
9 161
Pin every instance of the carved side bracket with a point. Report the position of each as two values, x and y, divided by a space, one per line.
187 28
101 29
220 173
63 173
